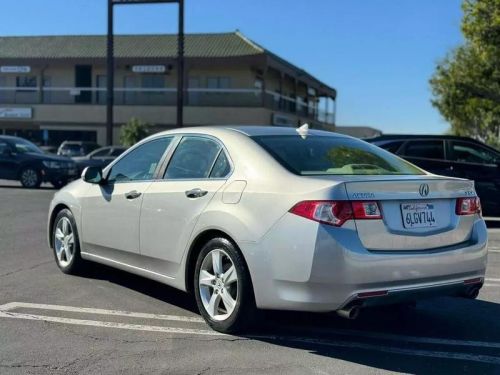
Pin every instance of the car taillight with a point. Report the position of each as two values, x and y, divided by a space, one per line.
468 206
336 213
366 210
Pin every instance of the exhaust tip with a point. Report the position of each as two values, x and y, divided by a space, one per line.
350 313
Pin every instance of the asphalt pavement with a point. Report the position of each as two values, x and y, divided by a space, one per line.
107 321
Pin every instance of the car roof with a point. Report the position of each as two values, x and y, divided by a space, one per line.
386 138
277 130
250 130
79 143
10 137
397 137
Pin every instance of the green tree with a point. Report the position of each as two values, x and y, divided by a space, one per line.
466 84
133 131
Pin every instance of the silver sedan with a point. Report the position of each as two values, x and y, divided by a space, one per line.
273 218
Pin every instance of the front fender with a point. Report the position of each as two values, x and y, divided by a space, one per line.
67 198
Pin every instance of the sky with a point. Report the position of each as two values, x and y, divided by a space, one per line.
378 54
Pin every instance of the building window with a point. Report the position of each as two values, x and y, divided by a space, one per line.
26 82
218 82
153 81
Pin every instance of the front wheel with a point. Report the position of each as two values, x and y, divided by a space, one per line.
66 243
223 288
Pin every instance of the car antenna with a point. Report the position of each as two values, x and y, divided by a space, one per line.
303 130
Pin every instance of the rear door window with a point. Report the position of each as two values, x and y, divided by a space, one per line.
193 158
392 146
466 152
429 149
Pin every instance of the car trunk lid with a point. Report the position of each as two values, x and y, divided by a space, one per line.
418 213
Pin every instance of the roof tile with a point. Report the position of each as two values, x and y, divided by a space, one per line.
127 46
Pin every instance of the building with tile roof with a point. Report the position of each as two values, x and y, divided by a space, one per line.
53 88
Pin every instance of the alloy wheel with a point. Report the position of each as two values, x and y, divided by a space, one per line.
218 283
64 242
29 177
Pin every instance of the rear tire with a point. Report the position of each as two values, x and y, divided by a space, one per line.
30 178
223 288
66 243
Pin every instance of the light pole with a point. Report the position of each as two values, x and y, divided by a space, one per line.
111 62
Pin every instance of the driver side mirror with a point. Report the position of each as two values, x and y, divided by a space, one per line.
93 175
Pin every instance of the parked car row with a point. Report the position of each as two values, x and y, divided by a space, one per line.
452 156
23 161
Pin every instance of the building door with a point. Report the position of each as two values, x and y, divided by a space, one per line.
83 78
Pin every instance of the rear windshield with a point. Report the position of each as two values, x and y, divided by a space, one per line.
323 155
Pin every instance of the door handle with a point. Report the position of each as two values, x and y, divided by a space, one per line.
196 193
132 194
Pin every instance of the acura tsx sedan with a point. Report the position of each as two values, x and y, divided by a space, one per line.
253 217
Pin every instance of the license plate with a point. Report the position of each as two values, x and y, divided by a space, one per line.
418 215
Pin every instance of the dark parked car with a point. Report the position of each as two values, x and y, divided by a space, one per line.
99 157
22 160
452 156
76 148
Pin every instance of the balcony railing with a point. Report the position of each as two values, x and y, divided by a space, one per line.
200 97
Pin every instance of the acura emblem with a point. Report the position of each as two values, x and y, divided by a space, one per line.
424 190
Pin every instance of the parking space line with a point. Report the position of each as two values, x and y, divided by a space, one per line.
492 279
41 306
97 323
6 312
8 306
330 343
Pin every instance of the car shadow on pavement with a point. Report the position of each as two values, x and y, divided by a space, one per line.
439 336
443 335
142 285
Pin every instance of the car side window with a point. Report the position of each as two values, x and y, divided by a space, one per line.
391 146
425 149
140 163
4 147
193 158
221 167
466 152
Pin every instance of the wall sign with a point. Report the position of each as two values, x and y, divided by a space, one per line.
15 69
149 68
20 113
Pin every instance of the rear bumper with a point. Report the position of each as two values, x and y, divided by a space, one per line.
415 293
302 265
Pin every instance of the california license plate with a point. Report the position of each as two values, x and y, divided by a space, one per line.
418 215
